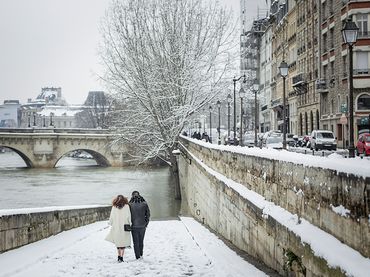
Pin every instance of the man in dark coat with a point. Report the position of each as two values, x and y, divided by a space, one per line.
140 215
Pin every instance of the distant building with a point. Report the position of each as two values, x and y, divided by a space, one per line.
10 114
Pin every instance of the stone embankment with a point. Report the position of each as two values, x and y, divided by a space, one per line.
252 201
29 226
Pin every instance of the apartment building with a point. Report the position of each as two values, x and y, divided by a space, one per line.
304 81
333 85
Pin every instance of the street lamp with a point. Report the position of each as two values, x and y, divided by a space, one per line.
34 119
255 90
283 68
242 94
51 119
349 33
229 98
210 124
236 80
219 121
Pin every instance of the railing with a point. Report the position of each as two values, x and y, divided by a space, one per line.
321 84
298 79
362 71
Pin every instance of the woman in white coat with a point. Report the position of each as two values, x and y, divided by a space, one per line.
119 216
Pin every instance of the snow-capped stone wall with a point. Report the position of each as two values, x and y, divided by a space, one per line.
18 228
264 205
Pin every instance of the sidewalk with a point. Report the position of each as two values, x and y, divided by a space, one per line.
172 248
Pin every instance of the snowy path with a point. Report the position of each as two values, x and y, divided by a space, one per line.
172 248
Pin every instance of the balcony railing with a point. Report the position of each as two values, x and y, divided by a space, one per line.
298 79
363 71
321 85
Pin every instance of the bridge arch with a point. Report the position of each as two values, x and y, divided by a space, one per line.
100 158
24 157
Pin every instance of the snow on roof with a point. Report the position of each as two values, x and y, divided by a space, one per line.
356 166
58 111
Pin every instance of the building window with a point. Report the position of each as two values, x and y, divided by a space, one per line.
362 64
362 21
363 102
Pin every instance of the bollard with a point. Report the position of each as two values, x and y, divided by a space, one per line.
323 153
313 152
305 151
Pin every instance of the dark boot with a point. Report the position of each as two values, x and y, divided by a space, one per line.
120 259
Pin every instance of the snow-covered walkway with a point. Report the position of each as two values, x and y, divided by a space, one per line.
172 248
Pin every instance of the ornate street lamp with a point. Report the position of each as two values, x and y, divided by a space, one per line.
242 95
34 119
236 80
51 119
255 90
229 99
210 124
349 33
283 68
219 121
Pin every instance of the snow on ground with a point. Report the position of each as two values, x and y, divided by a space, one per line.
323 244
172 248
356 166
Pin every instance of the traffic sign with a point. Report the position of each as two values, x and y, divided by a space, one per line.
343 119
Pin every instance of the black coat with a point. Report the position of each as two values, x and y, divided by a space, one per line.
140 213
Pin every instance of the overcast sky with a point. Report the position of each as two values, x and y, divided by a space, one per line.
54 43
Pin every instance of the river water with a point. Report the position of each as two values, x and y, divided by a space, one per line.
82 182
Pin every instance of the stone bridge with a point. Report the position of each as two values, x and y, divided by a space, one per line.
44 147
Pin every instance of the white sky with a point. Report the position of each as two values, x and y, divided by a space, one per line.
54 43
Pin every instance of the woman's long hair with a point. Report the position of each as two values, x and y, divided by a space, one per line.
120 201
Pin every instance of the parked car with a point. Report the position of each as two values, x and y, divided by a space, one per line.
363 144
230 140
323 139
275 142
290 139
248 140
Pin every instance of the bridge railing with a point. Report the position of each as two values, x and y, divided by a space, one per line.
57 130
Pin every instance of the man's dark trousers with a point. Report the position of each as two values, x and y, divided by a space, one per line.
138 238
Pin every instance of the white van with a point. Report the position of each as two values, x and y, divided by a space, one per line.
323 139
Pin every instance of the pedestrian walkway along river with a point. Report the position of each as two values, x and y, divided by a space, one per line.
172 248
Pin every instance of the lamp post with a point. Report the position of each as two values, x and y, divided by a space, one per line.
241 95
229 98
219 121
236 80
34 119
210 124
255 90
349 33
283 68
51 119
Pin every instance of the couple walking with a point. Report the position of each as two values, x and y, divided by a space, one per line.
135 213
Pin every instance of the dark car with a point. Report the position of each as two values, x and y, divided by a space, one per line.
363 144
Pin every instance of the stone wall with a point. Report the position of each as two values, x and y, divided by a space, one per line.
241 222
21 229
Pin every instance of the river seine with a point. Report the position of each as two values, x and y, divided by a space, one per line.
81 182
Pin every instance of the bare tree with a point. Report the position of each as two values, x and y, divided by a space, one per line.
164 59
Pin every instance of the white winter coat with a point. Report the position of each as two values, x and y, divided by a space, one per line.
117 235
